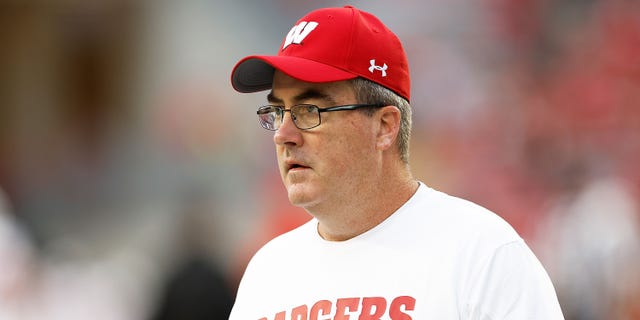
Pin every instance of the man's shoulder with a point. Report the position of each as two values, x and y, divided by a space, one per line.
454 216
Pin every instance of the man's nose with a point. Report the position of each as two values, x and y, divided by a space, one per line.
288 133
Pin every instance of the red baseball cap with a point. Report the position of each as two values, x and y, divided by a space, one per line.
331 44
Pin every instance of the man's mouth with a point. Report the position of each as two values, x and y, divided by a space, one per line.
294 166
297 167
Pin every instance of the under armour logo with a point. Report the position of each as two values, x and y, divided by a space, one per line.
299 32
382 68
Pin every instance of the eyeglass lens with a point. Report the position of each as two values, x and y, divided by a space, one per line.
304 116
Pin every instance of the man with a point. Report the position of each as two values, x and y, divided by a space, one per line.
381 245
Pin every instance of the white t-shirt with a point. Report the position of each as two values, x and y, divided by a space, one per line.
437 257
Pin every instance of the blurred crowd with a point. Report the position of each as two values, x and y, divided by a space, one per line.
135 183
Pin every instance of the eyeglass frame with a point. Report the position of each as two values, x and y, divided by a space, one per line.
319 110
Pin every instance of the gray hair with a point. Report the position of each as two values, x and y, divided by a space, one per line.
370 92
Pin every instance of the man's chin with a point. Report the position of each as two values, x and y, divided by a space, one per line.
300 195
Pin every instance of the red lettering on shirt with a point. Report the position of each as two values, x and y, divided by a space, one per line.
299 313
343 304
403 302
354 308
373 308
321 308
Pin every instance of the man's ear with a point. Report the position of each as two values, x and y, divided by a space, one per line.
389 126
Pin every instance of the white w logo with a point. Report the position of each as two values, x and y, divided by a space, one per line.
299 32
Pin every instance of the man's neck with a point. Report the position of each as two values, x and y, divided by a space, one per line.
370 208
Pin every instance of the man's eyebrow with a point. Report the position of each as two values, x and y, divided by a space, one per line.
309 94
273 99
313 94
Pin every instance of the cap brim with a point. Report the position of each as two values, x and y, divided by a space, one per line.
255 73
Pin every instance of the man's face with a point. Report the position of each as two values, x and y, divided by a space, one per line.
323 167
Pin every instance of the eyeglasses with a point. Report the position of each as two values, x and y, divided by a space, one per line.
304 116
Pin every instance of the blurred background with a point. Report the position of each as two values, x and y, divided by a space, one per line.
135 183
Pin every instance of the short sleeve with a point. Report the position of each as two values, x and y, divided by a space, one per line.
511 284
